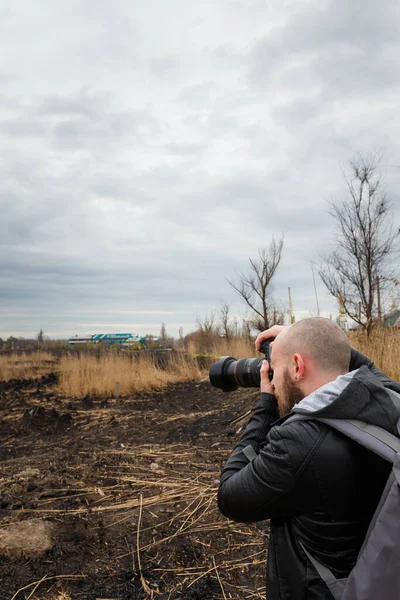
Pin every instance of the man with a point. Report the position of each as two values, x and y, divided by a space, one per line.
312 482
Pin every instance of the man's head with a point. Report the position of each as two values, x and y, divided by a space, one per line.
304 357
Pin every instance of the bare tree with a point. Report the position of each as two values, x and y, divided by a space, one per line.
40 338
225 321
207 325
235 327
247 327
365 242
165 340
276 316
163 332
207 331
255 288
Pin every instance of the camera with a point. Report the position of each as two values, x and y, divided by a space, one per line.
228 374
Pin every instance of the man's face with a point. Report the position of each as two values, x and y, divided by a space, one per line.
287 391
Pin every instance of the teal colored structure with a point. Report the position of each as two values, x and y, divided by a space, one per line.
107 339
392 319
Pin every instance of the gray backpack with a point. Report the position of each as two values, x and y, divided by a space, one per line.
376 574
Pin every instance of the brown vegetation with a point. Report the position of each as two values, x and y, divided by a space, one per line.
23 365
86 374
382 346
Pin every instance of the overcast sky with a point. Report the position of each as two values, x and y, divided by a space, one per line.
148 149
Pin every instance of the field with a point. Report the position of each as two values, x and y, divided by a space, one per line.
127 490
105 498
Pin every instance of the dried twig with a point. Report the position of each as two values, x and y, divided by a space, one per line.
143 581
219 579
46 578
36 587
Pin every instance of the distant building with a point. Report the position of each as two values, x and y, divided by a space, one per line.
392 319
78 340
106 339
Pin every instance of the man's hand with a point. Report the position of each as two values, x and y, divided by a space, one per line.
272 332
265 384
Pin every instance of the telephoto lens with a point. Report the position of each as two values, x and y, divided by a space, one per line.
228 374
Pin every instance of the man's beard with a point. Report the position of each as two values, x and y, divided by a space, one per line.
291 395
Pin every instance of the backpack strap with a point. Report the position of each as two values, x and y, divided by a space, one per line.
395 397
323 571
371 437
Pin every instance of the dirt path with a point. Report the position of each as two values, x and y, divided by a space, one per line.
125 492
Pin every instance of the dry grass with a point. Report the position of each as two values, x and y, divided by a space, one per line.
87 375
37 584
383 347
90 375
177 505
238 348
28 366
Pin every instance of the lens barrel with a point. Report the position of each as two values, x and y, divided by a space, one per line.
222 374
228 374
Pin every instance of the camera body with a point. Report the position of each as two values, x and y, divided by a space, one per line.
228 374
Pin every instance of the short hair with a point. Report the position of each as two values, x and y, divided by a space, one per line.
322 340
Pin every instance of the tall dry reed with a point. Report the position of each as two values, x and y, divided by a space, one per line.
237 347
383 347
25 365
87 375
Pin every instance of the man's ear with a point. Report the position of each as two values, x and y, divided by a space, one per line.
299 367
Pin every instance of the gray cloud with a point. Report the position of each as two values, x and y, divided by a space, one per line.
335 48
146 157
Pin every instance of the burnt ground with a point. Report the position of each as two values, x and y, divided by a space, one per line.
129 488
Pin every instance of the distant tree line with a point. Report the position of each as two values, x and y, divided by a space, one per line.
39 342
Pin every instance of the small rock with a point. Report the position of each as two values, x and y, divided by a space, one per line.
31 486
28 539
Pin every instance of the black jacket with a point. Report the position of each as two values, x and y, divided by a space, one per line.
317 486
